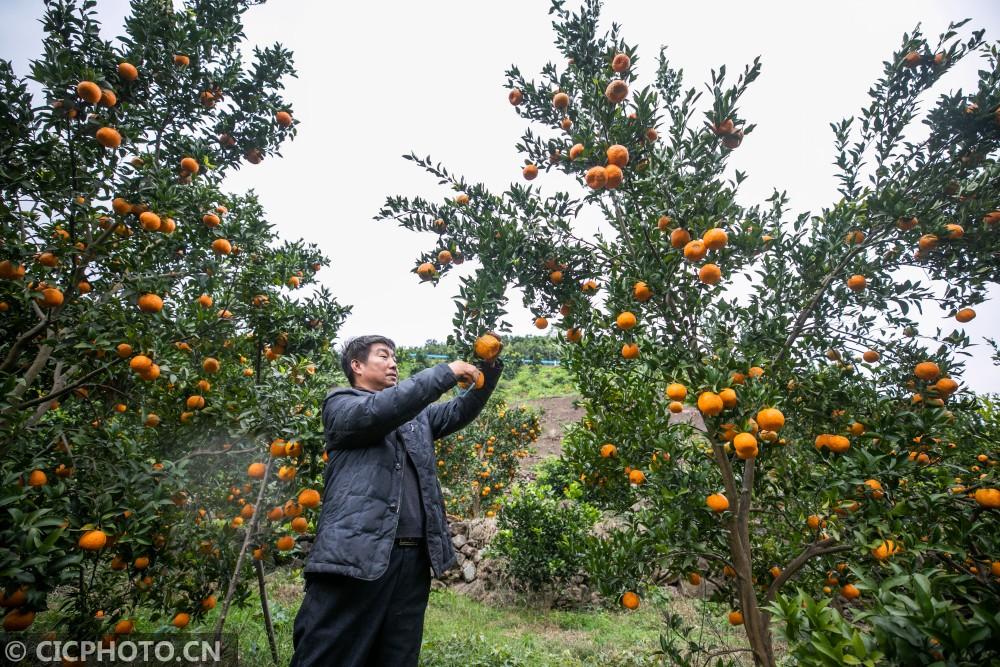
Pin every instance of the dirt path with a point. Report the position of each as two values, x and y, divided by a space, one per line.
555 412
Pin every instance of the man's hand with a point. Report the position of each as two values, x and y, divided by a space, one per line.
464 371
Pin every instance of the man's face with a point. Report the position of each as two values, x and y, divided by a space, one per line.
379 371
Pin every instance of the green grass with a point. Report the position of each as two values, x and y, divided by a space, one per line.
460 631
533 382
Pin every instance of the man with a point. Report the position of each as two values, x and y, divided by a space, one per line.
382 528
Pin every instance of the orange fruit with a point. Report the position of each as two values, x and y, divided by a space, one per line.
854 237
487 347
663 224
180 619
992 218
444 257
309 498
108 97
955 231
426 271
735 617
946 386
560 100
127 71
679 238
51 298
850 591
965 315
927 242
256 470
109 137
857 283
906 223
676 407
515 97
988 498
88 91
625 320
211 220
770 419
614 176
837 444
37 478
630 600
285 543
17 620
694 578
140 363
152 420
876 488
871 356
93 540
620 63
529 172
630 350
728 397
616 91
676 391
283 118
927 371
856 428
141 563
222 247
181 60
541 322
150 303
709 403
710 274
211 365
574 335
695 250
195 402
617 155
885 550
745 445
636 477
814 522
576 151
596 177
717 503
715 238
300 524
651 134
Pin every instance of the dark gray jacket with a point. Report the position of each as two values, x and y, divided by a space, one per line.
364 476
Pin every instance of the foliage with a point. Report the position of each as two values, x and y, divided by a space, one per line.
477 465
811 314
540 538
154 345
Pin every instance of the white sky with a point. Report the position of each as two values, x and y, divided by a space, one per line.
378 79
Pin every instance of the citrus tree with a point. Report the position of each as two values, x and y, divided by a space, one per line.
153 343
837 453
477 466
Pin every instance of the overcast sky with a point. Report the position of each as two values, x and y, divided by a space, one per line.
378 79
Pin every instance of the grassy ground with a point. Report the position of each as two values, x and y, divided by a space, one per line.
533 382
461 632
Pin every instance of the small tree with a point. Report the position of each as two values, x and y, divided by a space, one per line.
818 349
153 343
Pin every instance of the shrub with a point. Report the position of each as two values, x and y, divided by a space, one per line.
541 539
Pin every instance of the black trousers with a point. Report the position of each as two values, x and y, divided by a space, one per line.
348 622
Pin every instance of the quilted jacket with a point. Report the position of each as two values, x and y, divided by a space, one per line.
363 479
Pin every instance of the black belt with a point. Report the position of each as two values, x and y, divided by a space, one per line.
409 541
